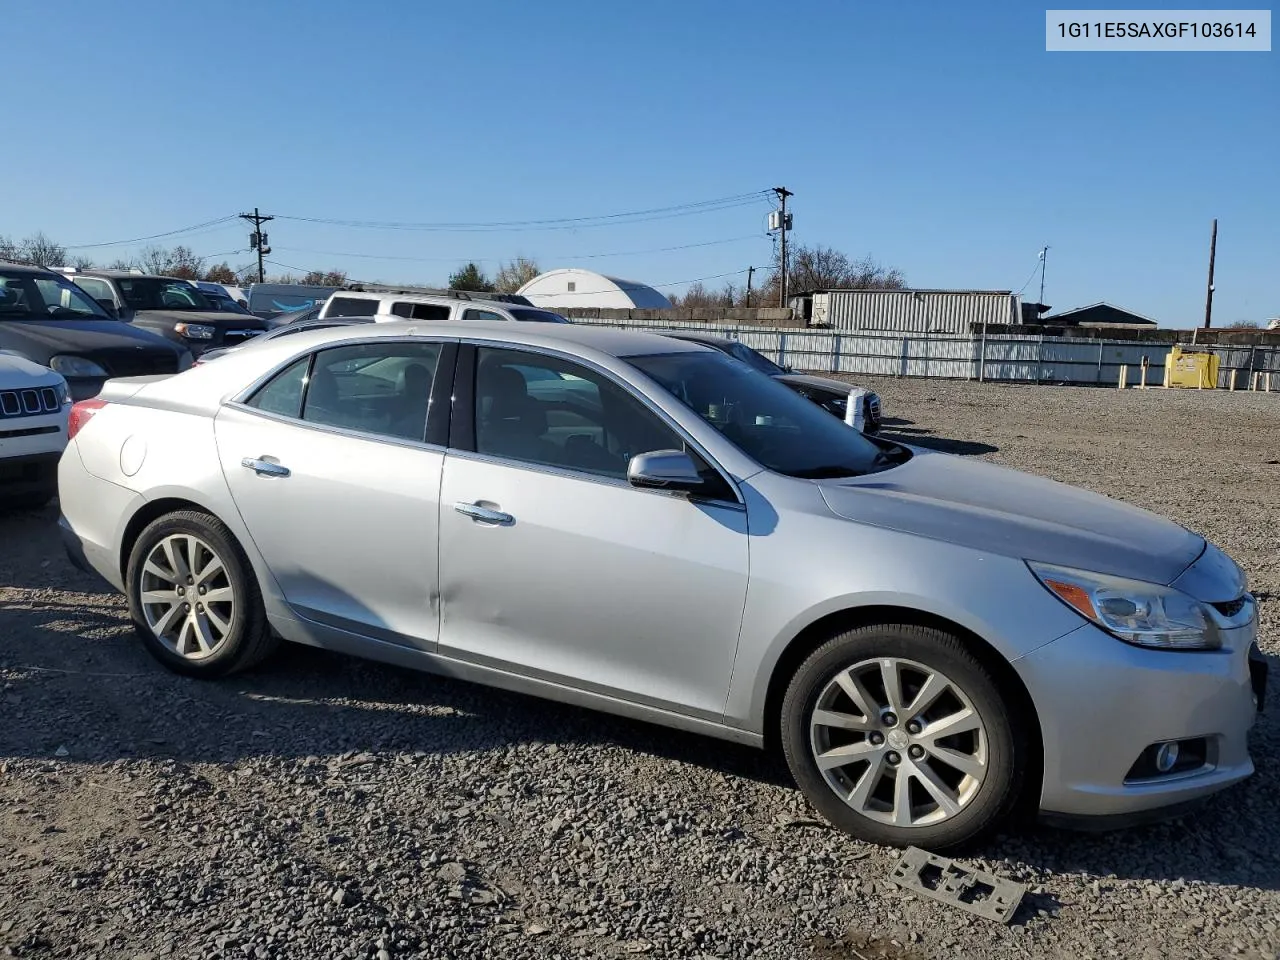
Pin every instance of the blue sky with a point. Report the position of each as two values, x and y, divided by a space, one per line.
939 138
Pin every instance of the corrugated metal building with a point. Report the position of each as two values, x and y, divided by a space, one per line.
908 311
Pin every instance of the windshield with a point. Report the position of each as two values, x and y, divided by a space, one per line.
157 293
34 296
224 304
755 360
536 316
766 420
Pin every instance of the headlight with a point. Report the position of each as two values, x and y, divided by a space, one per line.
64 392
196 331
1145 614
71 366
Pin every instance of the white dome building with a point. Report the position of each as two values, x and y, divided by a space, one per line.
584 288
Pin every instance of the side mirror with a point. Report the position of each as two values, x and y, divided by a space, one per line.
664 470
109 307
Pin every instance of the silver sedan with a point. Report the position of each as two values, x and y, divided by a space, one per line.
650 527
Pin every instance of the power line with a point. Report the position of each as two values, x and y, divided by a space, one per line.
578 293
562 223
559 256
154 236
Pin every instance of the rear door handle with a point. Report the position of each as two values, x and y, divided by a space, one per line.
264 468
484 514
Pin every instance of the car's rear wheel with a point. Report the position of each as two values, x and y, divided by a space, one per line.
193 597
898 735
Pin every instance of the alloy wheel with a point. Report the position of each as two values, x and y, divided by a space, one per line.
899 742
187 597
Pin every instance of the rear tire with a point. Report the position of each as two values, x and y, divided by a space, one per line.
899 736
193 598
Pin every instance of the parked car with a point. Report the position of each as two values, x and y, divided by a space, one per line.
284 330
49 320
224 303
34 404
442 307
223 291
643 525
832 395
270 300
169 306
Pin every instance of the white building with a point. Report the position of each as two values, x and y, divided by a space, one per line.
584 288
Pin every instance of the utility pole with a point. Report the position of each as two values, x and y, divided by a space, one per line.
258 239
784 224
1044 261
1208 297
750 271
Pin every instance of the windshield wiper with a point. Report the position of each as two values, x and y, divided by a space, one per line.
827 472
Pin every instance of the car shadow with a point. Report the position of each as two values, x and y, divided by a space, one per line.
963 448
75 684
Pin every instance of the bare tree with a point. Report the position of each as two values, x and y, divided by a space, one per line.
39 249
326 278
9 250
119 263
825 268
82 263
515 274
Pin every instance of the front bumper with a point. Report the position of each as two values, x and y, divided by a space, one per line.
1102 702
33 473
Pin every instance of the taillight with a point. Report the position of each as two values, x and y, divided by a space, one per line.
81 413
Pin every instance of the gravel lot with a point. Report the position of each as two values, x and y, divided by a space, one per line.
323 807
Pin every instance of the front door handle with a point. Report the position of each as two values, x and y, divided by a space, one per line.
264 468
484 514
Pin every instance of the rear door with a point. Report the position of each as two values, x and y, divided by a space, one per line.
335 466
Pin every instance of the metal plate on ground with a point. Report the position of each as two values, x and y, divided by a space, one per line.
945 880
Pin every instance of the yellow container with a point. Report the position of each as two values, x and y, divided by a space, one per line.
1199 370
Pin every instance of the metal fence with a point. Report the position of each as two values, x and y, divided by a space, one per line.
1006 357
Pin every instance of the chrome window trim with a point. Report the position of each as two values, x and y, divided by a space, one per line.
240 399
630 390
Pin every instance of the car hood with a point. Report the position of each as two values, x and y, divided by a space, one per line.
18 373
837 387
994 509
41 340
215 318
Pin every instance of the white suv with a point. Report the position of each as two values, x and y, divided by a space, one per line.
34 407
405 305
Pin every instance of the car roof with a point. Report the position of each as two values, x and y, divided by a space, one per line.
123 275
26 268
603 340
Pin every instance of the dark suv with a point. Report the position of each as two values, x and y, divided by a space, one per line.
49 320
168 306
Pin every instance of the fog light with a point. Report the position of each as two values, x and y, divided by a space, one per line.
1167 756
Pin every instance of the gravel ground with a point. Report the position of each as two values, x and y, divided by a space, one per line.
324 807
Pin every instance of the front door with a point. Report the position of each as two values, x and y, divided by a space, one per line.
328 467
554 566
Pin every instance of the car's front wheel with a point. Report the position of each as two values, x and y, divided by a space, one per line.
193 597
898 735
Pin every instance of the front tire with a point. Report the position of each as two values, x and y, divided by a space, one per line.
899 736
194 601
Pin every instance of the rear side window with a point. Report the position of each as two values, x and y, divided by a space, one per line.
282 394
98 289
351 307
378 388
474 314
419 311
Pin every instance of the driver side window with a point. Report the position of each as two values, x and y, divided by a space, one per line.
547 411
